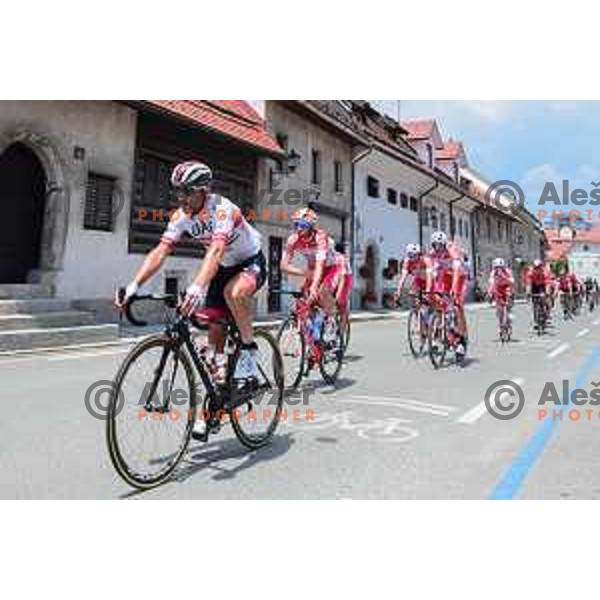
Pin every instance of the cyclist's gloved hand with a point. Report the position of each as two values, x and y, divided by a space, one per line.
195 296
121 299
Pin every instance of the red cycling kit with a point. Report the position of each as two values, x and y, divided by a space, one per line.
443 265
315 247
417 269
344 271
538 279
501 284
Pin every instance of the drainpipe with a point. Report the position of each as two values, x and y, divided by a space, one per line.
451 204
426 193
355 160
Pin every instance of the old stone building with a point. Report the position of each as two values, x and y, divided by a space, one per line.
84 189
320 143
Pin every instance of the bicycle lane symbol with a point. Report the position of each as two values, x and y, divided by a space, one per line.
389 429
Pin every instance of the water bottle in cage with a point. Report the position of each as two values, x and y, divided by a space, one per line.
316 325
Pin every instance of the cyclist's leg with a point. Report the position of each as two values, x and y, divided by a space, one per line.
239 292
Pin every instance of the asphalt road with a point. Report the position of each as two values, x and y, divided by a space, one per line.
393 428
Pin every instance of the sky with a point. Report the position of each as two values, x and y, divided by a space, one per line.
530 142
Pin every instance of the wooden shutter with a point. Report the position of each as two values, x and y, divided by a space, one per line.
98 210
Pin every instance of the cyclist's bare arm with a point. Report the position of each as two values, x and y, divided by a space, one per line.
317 277
152 263
401 281
287 267
210 264
428 275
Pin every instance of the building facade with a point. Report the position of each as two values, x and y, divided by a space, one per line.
320 143
85 186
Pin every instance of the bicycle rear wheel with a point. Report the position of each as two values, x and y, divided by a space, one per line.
151 412
293 352
256 419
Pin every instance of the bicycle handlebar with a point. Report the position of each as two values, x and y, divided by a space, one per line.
169 300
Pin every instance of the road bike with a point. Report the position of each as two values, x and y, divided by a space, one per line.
419 320
302 350
504 306
540 313
442 331
163 380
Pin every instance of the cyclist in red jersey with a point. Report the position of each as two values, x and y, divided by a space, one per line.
415 267
501 287
344 280
445 274
539 281
317 248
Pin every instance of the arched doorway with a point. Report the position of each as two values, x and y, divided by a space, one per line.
22 199
22 203
368 273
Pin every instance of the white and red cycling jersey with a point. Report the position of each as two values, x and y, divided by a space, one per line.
417 269
343 264
316 247
442 265
219 219
501 282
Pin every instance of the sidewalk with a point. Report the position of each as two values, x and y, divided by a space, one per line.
129 334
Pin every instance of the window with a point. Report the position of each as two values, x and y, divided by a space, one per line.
98 210
452 225
507 232
434 218
282 140
392 196
403 200
315 172
585 247
499 228
466 230
338 177
426 217
372 187
443 221
460 227
413 204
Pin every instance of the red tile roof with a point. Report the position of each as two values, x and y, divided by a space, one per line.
233 118
451 151
419 129
558 248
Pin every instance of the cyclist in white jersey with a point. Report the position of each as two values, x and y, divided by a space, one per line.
233 269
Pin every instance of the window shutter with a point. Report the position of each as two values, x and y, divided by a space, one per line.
98 210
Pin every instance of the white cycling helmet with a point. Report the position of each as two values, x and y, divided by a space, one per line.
439 239
537 262
191 175
413 250
498 263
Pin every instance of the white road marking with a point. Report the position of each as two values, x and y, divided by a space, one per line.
76 355
597 322
583 332
474 414
397 404
557 351
415 405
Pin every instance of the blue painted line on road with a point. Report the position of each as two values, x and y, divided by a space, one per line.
512 481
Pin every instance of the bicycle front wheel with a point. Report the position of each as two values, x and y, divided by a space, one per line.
151 412
256 420
293 352
332 349
438 344
417 337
